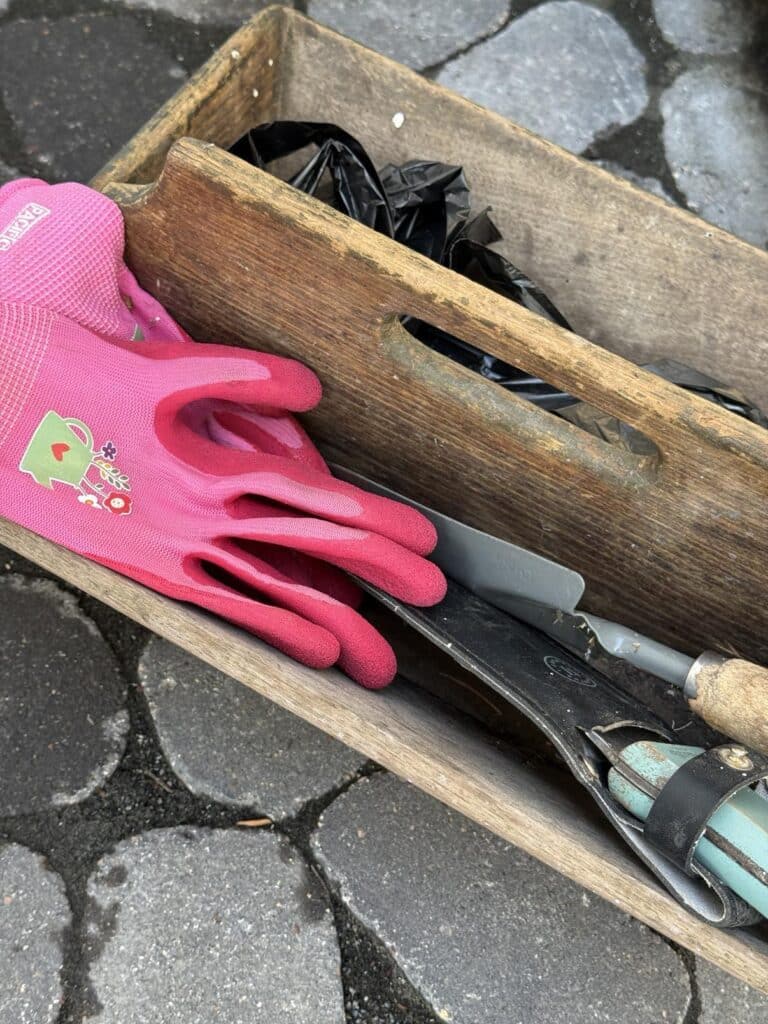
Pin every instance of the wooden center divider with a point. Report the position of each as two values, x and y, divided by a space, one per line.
673 545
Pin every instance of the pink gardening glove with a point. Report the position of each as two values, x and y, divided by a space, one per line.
201 523
75 266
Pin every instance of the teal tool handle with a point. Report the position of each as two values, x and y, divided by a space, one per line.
734 846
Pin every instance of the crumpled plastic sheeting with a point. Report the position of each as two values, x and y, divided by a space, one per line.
610 429
357 188
425 205
422 204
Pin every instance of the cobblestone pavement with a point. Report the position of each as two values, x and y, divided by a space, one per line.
172 847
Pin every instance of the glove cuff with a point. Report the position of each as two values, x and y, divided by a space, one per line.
25 333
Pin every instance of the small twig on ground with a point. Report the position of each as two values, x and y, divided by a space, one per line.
157 781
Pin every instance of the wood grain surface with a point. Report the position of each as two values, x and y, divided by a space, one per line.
673 545
731 697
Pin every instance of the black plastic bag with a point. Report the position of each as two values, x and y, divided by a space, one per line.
357 188
610 429
422 204
426 205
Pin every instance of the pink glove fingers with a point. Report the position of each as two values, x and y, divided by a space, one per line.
185 374
363 653
282 628
374 558
347 505
299 486
308 571
243 428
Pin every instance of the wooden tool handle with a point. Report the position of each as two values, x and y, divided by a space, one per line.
733 697
241 257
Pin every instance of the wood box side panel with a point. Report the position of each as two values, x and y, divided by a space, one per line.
631 272
238 87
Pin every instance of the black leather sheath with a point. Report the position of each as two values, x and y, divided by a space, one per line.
587 717
691 796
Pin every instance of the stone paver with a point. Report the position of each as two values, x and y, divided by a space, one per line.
34 914
232 745
483 931
565 70
716 140
62 716
707 26
652 185
417 34
190 924
7 173
725 1000
97 80
218 12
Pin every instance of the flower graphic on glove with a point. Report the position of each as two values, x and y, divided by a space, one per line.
61 450
90 500
120 504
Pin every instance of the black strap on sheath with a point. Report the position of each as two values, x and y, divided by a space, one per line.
691 796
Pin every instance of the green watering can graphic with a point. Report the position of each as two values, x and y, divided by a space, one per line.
60 450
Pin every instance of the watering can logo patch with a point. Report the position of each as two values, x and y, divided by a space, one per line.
62 451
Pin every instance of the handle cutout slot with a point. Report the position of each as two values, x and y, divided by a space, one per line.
438 357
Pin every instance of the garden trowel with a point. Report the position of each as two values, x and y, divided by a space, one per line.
729 693
691 815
